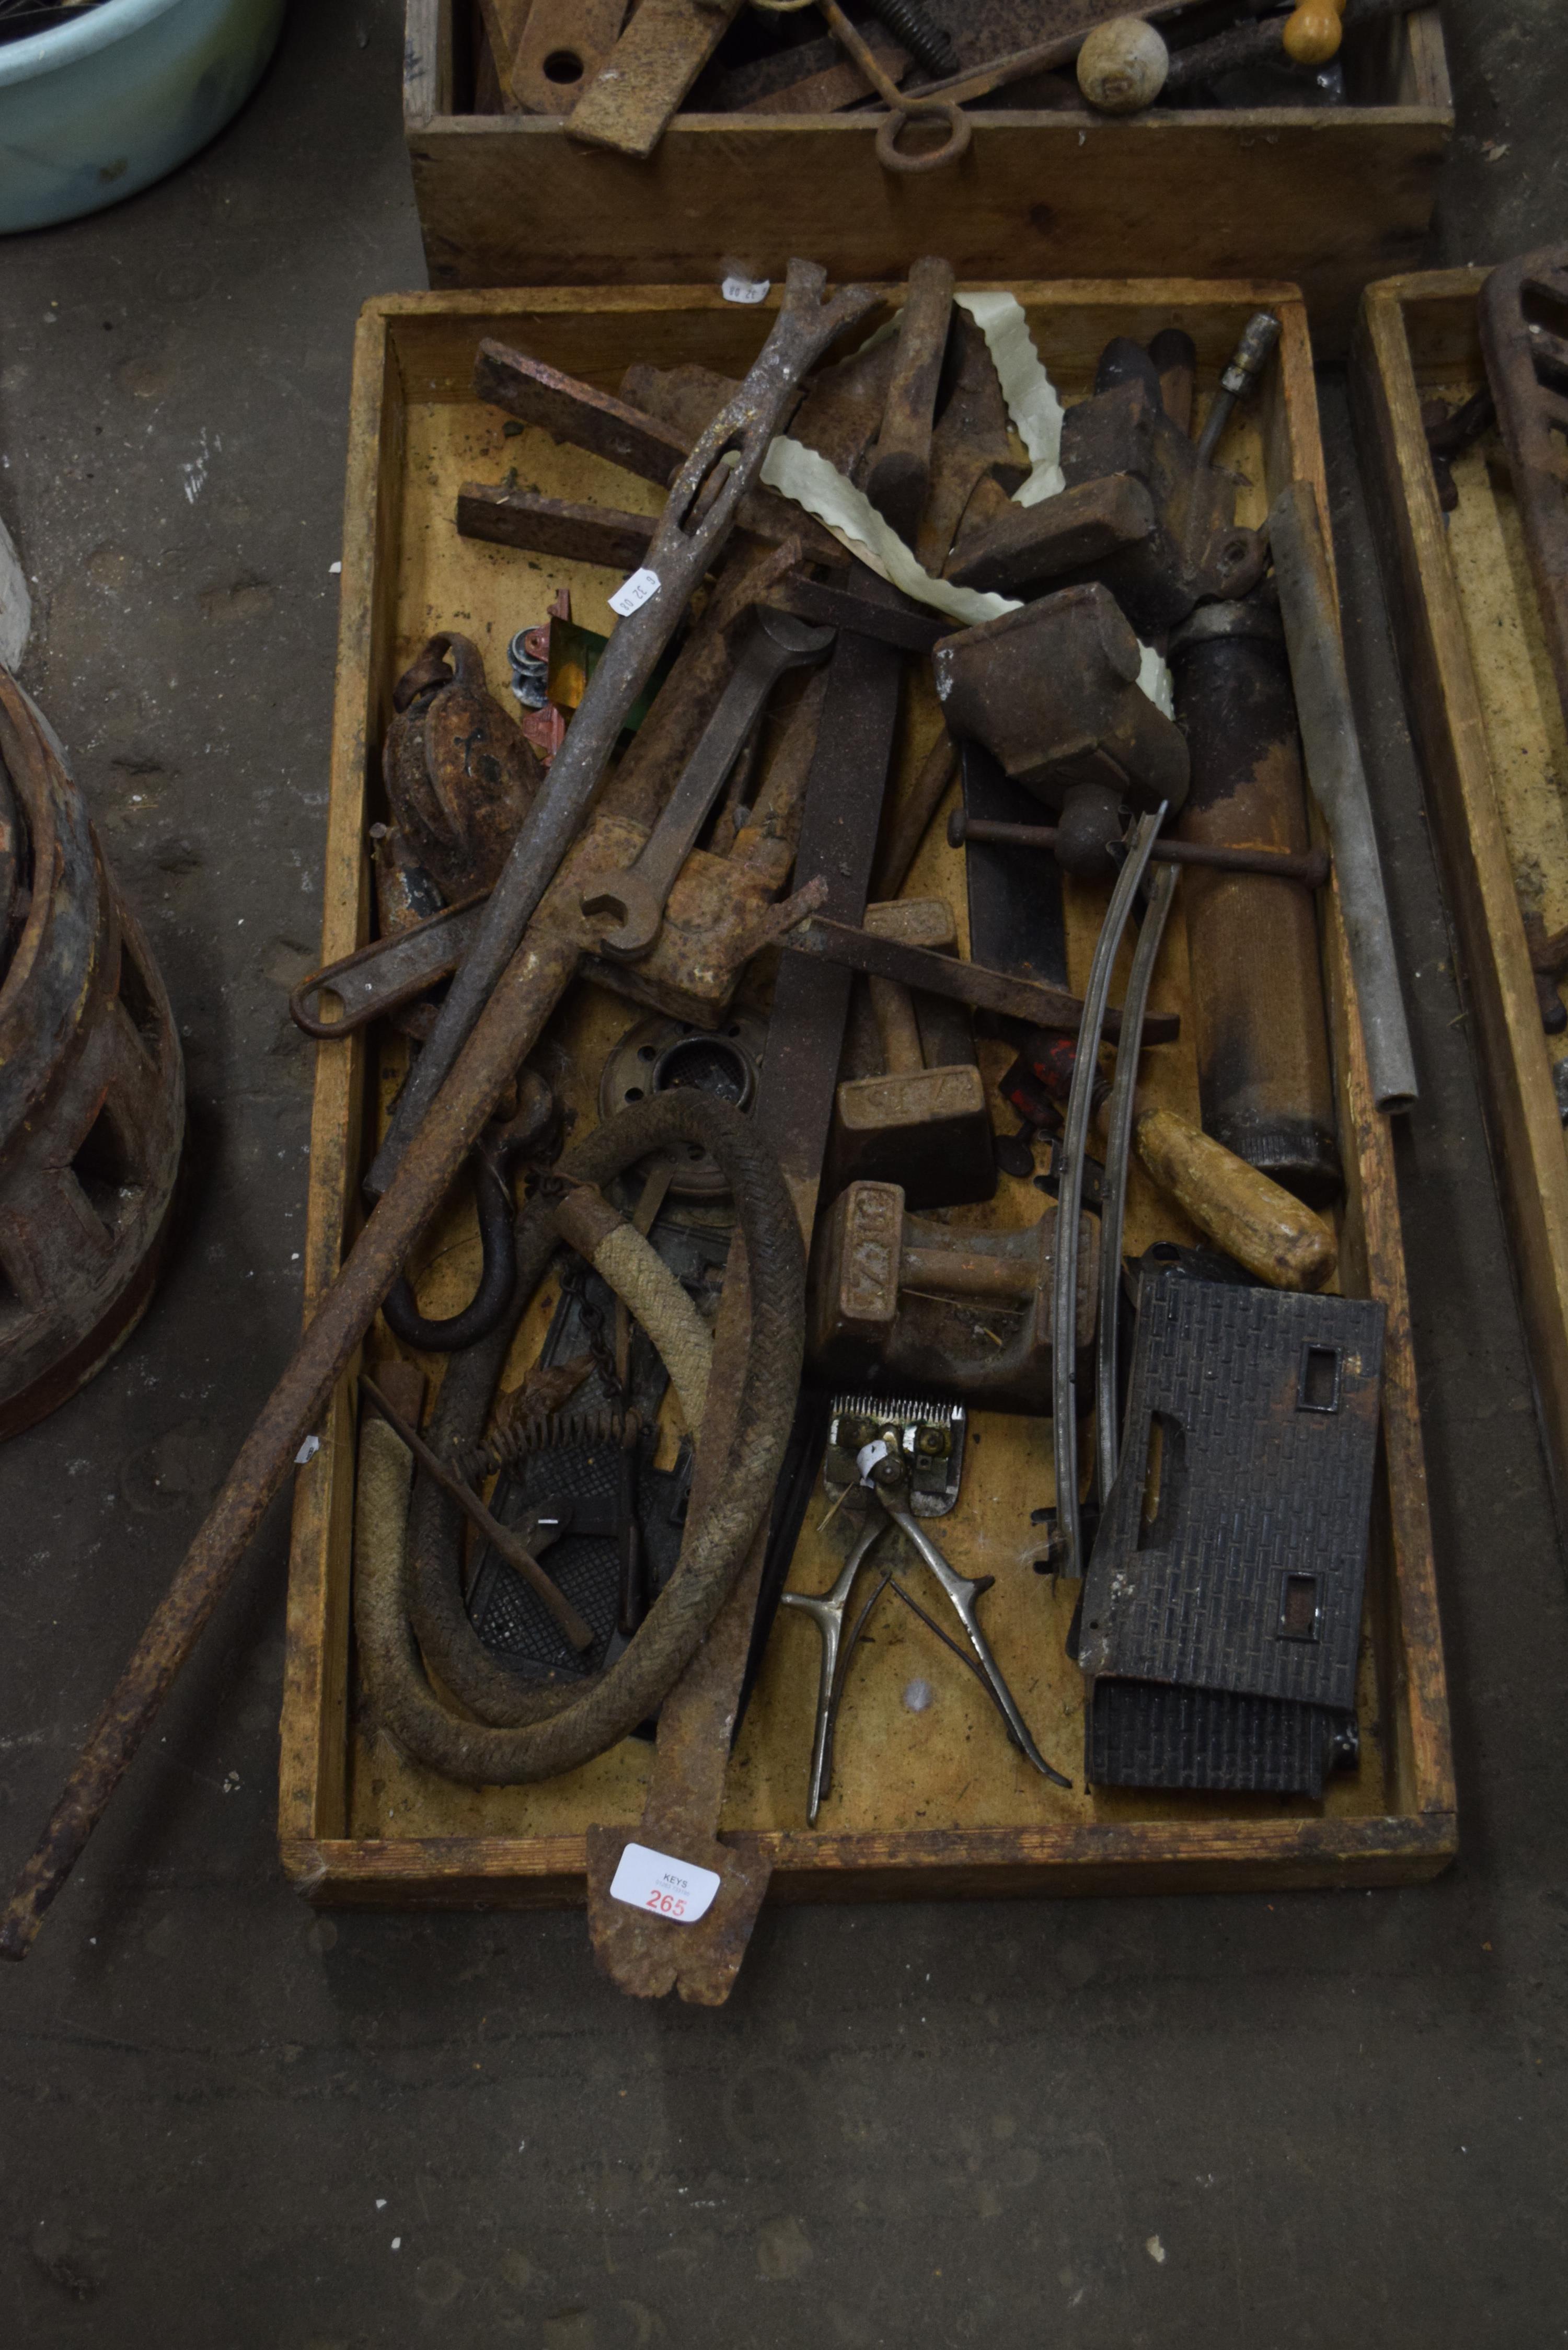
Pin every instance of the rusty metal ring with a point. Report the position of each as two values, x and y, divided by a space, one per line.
891 157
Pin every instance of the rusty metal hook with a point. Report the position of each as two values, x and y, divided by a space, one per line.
901 110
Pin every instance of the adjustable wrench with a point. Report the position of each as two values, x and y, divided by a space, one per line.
636 894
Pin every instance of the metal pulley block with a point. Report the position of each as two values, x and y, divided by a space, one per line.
461 775
92 1090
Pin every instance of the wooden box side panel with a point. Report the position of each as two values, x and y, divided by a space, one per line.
1328 199
1372 1250
512 201
1424 327
1242 1854
314 1729
435 334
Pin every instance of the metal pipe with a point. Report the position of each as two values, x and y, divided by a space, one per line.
1312 869
1066 1552
1114 1185
1338 779
1264 1078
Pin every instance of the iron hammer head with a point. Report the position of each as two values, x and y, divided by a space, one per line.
1052 690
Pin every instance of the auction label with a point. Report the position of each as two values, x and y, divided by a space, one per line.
646 1879
633 593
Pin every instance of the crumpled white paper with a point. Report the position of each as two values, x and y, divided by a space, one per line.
800 473
1031 396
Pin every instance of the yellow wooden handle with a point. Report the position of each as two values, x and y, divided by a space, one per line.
1313 32
1252 1218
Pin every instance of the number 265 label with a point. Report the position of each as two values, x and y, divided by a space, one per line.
679 1889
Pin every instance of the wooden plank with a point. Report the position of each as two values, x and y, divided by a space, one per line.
1325 199
427 62
504 23
1424 72
1449 720
314 1734
1254 1856
1293 449
359 1821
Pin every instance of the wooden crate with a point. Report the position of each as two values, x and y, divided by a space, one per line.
1329 198
928 1804
1490 729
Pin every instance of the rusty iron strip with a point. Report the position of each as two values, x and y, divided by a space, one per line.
628 104
646 1955
510 1014
962 983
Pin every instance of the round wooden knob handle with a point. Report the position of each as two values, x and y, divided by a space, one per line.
1313 32
1252 1218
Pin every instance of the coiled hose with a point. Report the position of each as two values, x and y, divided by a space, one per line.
410 1613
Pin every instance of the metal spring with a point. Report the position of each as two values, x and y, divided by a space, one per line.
924 40
895 1410
546 1431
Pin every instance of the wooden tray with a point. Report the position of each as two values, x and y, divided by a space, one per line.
927 1804
1489 726
1329 198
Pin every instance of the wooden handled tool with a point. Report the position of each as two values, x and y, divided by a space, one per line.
1251 1218
1313 32
900 475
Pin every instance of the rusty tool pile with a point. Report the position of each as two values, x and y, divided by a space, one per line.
616 75
881 552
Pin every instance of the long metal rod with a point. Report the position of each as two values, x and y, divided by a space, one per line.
694 524
1067 1558
1311 868
974 983
1339 778
531 982
516 1553
1114 1188
510 1024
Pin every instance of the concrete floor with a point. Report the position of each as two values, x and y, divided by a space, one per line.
234 2126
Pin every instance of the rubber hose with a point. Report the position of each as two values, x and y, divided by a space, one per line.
633 1268
528 1730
